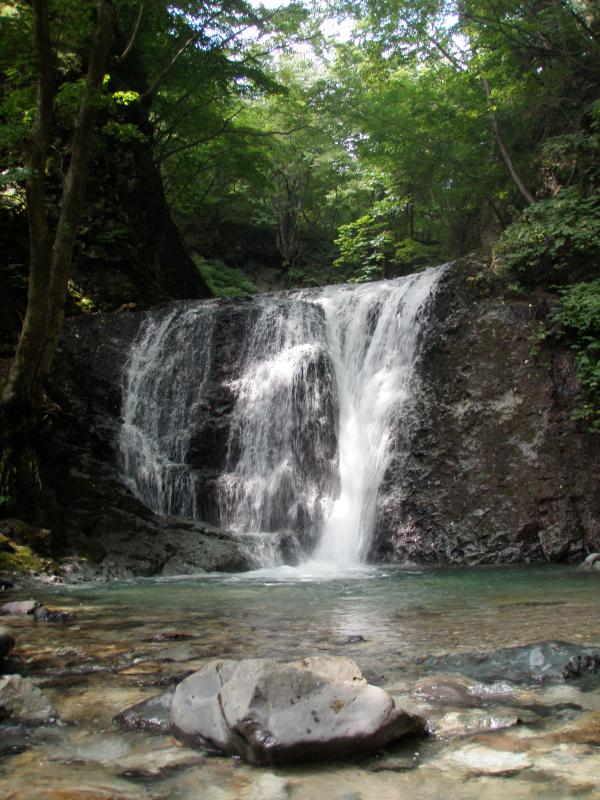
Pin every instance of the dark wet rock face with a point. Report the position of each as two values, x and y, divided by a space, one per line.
543 662
497 470
271 713
99 528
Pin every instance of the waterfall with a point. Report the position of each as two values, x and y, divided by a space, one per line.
314 396
167 368
282 445
373 332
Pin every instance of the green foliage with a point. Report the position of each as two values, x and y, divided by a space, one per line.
578 322
78 303
376 246
224 281
556 241
364 248
123 131
411 253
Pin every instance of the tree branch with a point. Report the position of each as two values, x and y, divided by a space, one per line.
133 36
501 146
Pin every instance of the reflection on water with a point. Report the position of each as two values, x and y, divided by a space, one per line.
132 638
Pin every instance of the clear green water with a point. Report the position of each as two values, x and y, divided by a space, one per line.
112 657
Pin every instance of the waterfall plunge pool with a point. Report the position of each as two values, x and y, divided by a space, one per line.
132 639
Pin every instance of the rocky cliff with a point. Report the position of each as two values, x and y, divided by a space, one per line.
496 471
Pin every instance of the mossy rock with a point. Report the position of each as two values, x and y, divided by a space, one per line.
19 558
25 534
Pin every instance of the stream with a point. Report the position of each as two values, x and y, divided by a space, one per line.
130 640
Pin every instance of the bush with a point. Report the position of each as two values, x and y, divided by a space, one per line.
371 249
224 281
578 322
556 241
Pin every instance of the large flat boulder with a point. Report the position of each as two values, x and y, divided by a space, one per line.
271 713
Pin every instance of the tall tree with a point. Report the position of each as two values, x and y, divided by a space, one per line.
70 73
51 252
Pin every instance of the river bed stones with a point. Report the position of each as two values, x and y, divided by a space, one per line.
157 763
148 715
477 760
271 713
540 662
19 608
21 700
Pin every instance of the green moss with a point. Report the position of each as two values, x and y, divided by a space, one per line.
19 558
224 281
77 302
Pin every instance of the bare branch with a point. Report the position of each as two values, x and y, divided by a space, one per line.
505 154
170 65
133 36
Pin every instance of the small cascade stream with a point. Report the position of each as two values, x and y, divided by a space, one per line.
309 395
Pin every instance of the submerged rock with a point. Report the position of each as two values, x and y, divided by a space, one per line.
468 723
20 699
478 760
14 739
149 715
20 608
533 663
457 690
271 713
43 614
157 763
591 563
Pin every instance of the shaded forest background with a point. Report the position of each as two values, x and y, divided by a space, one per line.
237 148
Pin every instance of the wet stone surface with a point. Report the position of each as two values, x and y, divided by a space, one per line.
132 642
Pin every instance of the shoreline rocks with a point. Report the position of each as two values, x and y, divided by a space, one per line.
591 563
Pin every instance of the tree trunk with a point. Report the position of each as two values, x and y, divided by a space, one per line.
22 397
75 180
22 390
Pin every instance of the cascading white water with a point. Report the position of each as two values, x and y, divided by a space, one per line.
373 333
325 383
167 368
281 451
